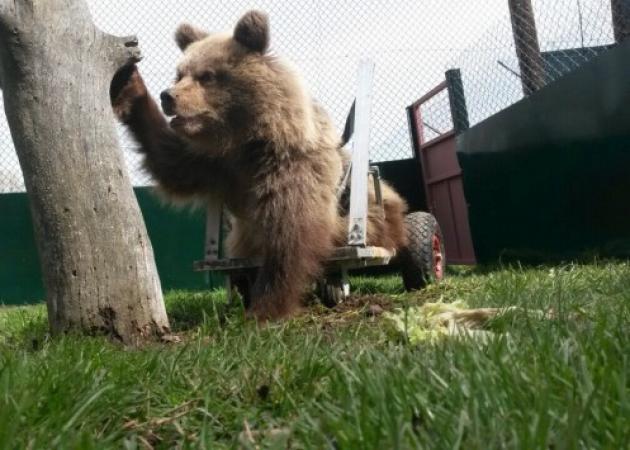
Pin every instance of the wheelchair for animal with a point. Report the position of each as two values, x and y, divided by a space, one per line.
421 262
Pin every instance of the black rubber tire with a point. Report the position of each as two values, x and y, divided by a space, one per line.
330 292
417 260
331 295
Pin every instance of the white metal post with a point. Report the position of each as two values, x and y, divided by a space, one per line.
357 223
213 229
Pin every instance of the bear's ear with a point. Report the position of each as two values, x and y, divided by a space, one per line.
252 31
186 34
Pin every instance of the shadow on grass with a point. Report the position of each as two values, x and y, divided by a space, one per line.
191 309
369 285
24 326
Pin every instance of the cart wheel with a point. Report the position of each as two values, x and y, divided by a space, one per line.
333 291
423 260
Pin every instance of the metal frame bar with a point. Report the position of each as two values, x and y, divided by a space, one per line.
357 223
349 257
376 178
214 213
429 95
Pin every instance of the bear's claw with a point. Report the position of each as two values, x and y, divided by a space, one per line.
126 87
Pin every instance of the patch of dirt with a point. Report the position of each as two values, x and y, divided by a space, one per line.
356 308
365 304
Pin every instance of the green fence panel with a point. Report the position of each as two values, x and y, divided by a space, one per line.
177 236
549 177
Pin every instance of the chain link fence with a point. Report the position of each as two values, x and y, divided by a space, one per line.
568 33
413 43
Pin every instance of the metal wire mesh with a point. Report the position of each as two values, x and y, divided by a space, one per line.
412 43
569 33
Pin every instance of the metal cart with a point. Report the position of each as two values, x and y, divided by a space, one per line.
420 263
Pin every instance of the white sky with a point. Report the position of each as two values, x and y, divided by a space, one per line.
411 41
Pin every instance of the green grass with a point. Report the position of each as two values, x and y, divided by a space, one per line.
337 379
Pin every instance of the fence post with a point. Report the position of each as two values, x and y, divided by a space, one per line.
621 19
457 100
527 47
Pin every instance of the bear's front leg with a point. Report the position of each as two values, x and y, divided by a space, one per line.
277 292
181 173
127 89
298 235
134 107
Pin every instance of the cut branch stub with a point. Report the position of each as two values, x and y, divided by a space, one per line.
126 51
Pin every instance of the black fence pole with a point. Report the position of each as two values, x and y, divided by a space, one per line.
457 100
621 19
527 47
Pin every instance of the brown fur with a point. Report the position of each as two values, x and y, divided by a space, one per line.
245 129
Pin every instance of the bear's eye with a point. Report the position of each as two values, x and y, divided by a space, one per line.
178 77
206 76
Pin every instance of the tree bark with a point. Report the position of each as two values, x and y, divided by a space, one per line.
97 261
526 44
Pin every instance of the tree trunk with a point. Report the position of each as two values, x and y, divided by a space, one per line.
526 44
55 70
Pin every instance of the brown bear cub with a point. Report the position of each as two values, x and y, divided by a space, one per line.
244 129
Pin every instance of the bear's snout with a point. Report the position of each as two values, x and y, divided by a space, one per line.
168 102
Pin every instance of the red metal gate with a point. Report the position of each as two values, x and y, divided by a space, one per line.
442 176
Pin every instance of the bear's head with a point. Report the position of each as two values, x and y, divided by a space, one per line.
229 86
